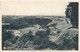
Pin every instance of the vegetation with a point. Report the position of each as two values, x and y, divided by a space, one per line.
41 40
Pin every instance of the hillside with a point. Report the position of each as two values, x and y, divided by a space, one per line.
40 34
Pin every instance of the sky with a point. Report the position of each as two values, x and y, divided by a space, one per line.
34 7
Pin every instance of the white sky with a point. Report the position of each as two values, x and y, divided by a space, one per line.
34 7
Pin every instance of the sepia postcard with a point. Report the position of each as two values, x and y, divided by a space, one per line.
39 25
